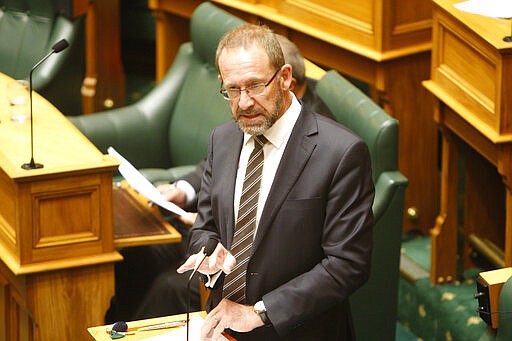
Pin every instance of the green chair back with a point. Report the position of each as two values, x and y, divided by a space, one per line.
374 305
29 28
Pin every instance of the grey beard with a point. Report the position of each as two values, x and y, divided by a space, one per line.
256 129
267 123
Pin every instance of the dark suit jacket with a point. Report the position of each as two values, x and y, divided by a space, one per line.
313 245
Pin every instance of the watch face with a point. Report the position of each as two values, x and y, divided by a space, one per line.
259 306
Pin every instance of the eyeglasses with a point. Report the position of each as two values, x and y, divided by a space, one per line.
257 89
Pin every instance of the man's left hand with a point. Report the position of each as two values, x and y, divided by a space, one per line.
228 314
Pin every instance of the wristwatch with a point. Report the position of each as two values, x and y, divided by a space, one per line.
259 308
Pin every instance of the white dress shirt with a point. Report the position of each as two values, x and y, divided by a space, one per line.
277 137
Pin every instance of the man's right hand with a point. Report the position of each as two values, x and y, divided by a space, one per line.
220 260
173 194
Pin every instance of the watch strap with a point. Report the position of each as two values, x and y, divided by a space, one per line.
262 314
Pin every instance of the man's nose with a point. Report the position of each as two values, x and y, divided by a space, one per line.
245 101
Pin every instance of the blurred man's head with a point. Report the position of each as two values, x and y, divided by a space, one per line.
293 57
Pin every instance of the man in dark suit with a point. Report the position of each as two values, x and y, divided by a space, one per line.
312 236
147 284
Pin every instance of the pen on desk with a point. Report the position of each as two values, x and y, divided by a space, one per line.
163 325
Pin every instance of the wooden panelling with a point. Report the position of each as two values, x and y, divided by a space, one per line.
77 297
470 68
470 76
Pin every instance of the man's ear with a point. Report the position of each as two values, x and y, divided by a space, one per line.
286 77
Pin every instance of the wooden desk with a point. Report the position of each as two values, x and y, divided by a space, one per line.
470 78
385 43
99 332
136 223
56 228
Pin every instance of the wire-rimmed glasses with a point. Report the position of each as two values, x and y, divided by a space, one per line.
256 89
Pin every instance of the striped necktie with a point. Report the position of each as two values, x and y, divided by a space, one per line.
234 283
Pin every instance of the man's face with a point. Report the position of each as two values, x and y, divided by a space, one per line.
240 69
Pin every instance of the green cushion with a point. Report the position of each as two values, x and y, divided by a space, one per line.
29 28
356 111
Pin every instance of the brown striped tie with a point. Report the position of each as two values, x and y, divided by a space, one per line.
234 283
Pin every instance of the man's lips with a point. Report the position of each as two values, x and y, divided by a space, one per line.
250 116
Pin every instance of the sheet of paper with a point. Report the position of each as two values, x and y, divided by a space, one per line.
180 334
143 185
489 8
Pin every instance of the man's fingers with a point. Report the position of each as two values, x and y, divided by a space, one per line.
210 322
217 332
189 219
216 255
188 265
228 264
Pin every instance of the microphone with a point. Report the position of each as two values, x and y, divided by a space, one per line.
56 48
210 246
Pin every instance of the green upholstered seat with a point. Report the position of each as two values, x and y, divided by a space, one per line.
29 28
374 305
167 131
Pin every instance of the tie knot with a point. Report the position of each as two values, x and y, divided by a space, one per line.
260 140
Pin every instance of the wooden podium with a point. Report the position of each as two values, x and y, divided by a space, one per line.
471 79
56 234
385 43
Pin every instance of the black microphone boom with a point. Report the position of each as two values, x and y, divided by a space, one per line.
56 48
210 246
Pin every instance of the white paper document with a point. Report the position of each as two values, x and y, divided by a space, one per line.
180 334
143 185
489 8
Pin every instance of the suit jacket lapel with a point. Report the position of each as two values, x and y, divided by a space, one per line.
295 157
229 176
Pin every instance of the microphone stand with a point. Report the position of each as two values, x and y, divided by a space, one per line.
210 246
188 292
32 164
59 46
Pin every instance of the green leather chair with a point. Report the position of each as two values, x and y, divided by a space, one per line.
166 132
505 312
374 305
29 28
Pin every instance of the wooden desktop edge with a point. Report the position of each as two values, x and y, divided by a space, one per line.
99 333
172 237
